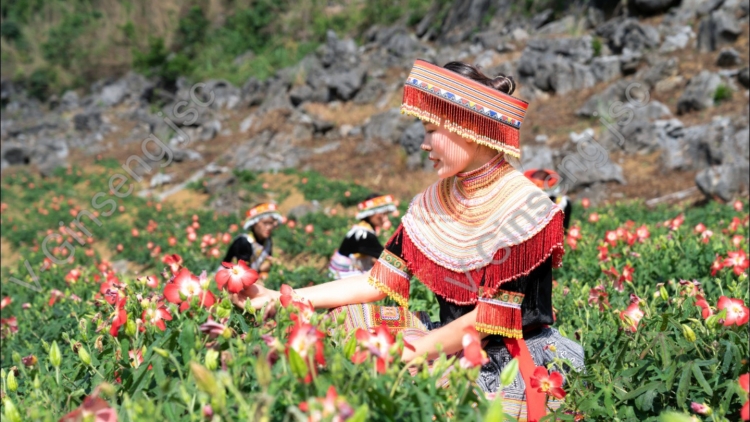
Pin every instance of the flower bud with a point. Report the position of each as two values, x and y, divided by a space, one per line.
208 412
161 352
688 333
212 359
37 383
226 303
10 412
83 326
11 382
663 293
204 379
341 318
222 312
45 346
509 373
65 336
130 328
55 357
16 357
84 355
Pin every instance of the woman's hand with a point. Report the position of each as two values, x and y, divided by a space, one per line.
258 295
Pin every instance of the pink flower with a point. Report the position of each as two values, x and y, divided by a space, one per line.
156 316
473 354
309 228
304 308
603 253
717 265
737 312
306 341
380 344
54 295
236 276
701 302
699 228
632 316
585 203
215 329
706 236
572 242
93 409
5 302
611 237
184 286
333 408
174 262
593 217
575 232
745 386
551 384
737 240
598 295
73 275
738 261
642 233
701 409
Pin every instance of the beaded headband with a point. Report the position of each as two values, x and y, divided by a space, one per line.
373 206
464 106
255 214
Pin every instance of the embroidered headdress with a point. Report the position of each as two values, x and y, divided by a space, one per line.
257 213
464 106
374 206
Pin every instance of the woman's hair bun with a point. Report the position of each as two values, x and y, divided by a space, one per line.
502 83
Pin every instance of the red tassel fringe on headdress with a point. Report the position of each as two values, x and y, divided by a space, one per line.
477 127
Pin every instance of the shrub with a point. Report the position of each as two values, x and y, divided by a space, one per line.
722 93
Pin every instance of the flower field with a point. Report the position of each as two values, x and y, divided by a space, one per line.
657 297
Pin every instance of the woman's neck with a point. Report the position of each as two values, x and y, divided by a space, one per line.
472 181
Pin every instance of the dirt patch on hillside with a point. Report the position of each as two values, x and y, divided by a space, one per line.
8 255
187 199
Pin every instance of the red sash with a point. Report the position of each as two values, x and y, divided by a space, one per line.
536 401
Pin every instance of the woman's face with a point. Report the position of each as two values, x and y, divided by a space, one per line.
263 228
449 152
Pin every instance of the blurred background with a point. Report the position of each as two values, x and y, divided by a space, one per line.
315 86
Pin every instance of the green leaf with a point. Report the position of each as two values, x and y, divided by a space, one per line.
351 347
360 415
638 391
701 380
495 412
187 340
727 356
682 387
674 417
299 369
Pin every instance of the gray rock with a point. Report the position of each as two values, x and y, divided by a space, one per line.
210 129
744 77
638 133
629 61
699 93
69 100
88 121
561 26
300 94
677 39
461 18
219 183
536 157
659 70
728 57
114 94
300 211
651 7
345 84
225 95
370 92
717 29
387 126
605 68
412 138
671 138
179 155
723 181
634 36
160 179
598 103
542 18
708 6
253 92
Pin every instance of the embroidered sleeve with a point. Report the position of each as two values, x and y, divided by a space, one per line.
391 274
500 314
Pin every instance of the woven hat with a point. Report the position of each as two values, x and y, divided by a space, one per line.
378 205
257 213
464 106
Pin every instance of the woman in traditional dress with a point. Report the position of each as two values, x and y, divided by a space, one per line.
255 247
361 248
483 238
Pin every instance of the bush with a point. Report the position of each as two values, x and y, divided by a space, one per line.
722 93
40 82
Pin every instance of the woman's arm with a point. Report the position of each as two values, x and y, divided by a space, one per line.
335 293
449 337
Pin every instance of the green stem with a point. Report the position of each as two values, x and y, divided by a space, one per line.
398 379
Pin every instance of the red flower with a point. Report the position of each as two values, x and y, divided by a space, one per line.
575 232
745 386
690 288
738 260
112 289
236 276
184 286
119 317
598 295
735 224
54 294
8 326
304 308
156 316
700 408
677 222
309 228
603 253
585 203
717 265
544 382
737 312
174 261
73 275
706 236
699 228
737 240
333 408
473 355
611 237
5 302
92 409
572 242
306 341
379 345
642 233
632 316
701 302
593 218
